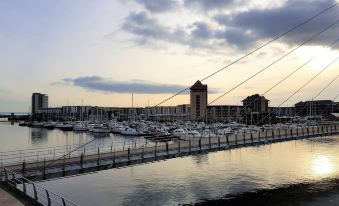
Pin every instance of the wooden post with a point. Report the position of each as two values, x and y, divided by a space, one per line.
297 131
219 141
209 141
114 157
291 133
252 137
286 133
308 131
167 149
189 144
273 134
63 166
266 135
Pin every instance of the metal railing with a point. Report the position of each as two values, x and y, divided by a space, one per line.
34 191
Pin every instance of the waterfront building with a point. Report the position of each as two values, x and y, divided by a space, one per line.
256 110
316 107
39 101
198 100
222 113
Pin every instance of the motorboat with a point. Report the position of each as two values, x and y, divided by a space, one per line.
80 127
130 132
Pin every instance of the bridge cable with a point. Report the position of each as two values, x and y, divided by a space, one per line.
255 50
289 75
300 88
276 61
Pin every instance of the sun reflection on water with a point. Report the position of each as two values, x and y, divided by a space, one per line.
322 165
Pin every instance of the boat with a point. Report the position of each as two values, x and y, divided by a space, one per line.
100 129
130 132
191 134
178 133
80 127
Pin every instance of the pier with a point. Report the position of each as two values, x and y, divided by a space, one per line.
104 157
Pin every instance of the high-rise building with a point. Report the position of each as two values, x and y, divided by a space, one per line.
198 99
39 101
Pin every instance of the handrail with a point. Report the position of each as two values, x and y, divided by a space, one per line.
48 193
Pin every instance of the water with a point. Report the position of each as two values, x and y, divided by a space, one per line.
14 137
304 168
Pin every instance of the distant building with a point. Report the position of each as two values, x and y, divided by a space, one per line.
198 100
222 113
255 103
39 101
317 107
332 117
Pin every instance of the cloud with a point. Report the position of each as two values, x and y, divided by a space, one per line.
212 4
236 29
97 83
158 6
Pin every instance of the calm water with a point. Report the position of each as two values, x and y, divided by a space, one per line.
299 172
14 137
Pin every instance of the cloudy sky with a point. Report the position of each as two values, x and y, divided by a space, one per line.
100 52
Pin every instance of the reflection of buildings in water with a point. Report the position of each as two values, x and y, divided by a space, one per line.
98 135
200 159
38 135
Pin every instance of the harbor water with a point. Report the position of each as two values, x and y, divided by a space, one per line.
298 172
296 168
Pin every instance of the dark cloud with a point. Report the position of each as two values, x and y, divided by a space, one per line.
245 28
212 4
158 6
97 83
239 30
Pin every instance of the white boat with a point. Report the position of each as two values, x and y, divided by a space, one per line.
192 134
179 133
100 129
80 127
130 131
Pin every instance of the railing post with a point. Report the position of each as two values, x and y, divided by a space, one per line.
219 141
244 138
98 160
308 131
167 149
81 161
129 155
44 169
155 149
227 140
142 154
252 137
291 133
286 134
6 175
190 147
35 193
200 144
259 137
273 135
297 132
209 141
24 186
266 135
23 168
48 198
63 202
279 133
179 146
236 140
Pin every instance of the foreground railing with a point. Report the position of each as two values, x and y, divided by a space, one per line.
34 191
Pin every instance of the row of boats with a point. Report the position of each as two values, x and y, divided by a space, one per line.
183 130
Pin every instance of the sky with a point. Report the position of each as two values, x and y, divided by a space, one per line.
101 52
